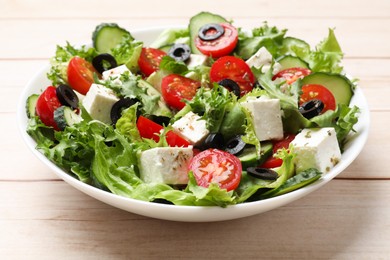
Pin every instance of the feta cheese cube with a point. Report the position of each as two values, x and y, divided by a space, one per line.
165 165
267 117
196 60
115 73
99 101
263 59
191 127
316 148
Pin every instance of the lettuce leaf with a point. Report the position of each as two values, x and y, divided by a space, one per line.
128 52
264 36
171 36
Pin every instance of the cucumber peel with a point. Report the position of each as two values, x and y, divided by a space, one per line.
108 35
340 86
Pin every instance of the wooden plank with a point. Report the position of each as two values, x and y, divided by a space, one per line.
37 38
54 221
231 8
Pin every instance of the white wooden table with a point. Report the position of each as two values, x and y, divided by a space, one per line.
41 217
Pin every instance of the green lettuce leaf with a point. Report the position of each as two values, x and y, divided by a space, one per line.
169 37
265 36
128 52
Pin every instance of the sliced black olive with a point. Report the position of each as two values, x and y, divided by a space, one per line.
161 120
103 62
262 173
235 145
311 108
119 106
180 52
213 140
67 96
231 85
211 31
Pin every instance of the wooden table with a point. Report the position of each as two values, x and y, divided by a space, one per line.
41 217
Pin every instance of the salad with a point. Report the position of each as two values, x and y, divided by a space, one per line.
207 115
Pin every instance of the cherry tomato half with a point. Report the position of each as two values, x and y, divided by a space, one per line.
47 103
216 166
221 46
149 60
314 91
80 74
234 68
175 88
292 74
273 162
151 130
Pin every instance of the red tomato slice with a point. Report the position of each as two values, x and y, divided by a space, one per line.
292 74
47 103
80 74
273 162
151 130
175 88
234 68
314 91
216 166
150 59
221 46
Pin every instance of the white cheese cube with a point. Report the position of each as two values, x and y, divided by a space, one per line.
191 127
99 101
316 148
263 59
196 60
115 73
165 165
267 117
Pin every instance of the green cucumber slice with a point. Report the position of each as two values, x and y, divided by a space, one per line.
340 86
248 157
294 46
197 21
289 61
108 35
31 103
64 116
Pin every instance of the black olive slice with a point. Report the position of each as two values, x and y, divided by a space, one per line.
235 145
213 140
211 31
161 120
180 52
67 96
311 108
231 85
100 62
262 173
119 106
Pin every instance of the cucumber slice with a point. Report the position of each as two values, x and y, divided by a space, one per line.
108 35
289 61
31 103
248 157
197 21
340 86
64 116
295 46
265 152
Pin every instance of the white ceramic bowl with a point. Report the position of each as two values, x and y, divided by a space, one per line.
191 213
